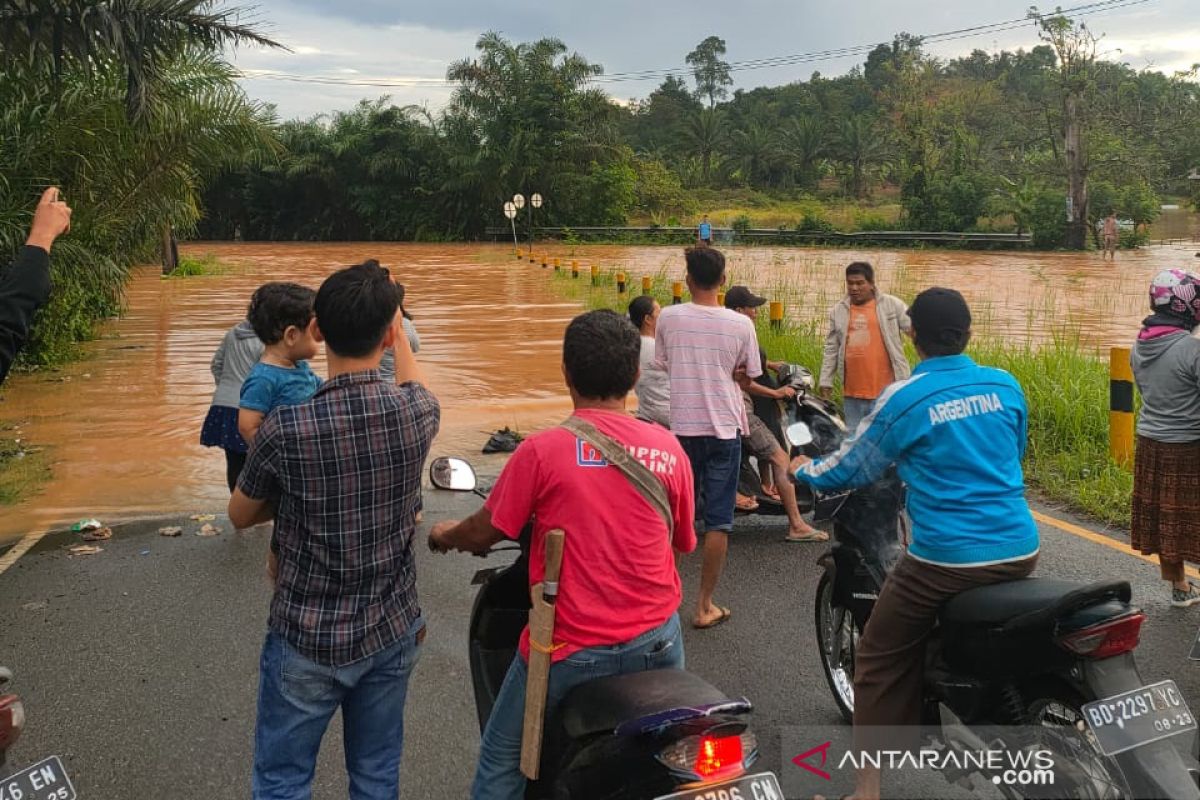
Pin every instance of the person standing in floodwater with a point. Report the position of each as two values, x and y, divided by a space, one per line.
240 350
1166 462
1111 236
704 232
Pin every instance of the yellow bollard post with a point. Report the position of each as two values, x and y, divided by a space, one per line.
595 274
544 262
620 283
557 264
676 293
720 297
647 284
1120 406
574 269
776 314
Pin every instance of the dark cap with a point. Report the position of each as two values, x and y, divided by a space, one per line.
742 297
940 317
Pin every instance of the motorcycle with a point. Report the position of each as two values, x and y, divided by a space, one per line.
1053 656
807 406
45 780
661 734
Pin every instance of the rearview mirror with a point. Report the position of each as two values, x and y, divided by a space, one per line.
798 435
453 474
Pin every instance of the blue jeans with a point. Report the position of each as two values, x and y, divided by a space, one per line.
856 410
715 465
297 698
499 774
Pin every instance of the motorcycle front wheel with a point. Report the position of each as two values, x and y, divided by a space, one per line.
837 639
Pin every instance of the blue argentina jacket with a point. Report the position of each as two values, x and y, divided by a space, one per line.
956 433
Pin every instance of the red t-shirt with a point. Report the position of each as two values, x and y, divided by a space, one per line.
618 576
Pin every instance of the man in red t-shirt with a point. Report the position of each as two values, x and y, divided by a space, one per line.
619 591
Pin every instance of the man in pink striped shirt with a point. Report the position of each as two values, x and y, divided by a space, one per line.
701 345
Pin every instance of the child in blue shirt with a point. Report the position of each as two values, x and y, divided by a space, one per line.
282 316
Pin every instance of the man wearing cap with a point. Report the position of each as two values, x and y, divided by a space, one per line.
865 344
956 433
758 440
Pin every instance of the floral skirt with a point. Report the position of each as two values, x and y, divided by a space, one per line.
220 429
1166 500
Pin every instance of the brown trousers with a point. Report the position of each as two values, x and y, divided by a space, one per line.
891 653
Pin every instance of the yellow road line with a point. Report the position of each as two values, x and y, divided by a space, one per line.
19 549
1100 538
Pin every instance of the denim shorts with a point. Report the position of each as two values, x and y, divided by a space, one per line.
715 465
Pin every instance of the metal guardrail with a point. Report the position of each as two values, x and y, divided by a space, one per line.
761 234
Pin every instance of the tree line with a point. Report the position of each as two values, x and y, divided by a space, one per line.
985 141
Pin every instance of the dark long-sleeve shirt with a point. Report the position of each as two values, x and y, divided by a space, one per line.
24 288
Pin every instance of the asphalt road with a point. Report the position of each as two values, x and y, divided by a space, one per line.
138 664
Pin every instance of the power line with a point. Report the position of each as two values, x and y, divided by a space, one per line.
1087 9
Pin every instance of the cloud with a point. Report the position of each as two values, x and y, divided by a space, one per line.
381 39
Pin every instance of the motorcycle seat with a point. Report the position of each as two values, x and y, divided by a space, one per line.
1027 601
605 704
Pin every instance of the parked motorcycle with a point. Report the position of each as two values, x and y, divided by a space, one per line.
807 406
1052 655
663 734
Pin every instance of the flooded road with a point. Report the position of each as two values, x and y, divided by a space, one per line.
123 423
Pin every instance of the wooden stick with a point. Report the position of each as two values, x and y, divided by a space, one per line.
541 642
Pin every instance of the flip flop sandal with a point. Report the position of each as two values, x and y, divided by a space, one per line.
815 536
746 507
724 617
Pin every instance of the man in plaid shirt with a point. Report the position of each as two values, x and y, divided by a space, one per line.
341 476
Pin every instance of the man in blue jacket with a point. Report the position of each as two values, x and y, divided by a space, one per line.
956 433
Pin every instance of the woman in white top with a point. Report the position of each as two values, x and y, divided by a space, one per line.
653 388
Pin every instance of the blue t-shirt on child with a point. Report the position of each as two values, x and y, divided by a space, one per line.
268 386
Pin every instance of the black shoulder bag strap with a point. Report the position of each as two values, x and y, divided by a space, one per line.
639 476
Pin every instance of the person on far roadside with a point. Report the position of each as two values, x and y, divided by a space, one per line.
619 592
340 474
653 387
704 232
25 285
1166 463
1112 235
865 344
956 433
758 438
702 346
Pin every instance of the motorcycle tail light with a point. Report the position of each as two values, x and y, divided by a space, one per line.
709 758
1106 639
12 720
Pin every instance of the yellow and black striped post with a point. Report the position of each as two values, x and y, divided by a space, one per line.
595 274
620 283
1120 406
574 269
557 264
544 262
776 314
677 293
647 284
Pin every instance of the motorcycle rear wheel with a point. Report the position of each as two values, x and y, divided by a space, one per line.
837 640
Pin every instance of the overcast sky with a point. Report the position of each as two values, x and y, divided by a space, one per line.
413 41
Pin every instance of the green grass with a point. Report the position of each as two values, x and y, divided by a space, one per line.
1066 386
195 266
22 469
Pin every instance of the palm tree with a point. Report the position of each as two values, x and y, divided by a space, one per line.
804 143
859 147
137 39
755 152
705 136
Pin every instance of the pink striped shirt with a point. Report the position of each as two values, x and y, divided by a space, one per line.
700 347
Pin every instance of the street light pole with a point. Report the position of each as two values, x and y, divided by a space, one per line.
510 211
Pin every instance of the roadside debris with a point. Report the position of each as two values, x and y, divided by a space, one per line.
85 525
85 550
98 535
208 530
34 606
170 530
503 441
203 517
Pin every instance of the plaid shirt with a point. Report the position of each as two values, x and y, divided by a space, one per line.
346 469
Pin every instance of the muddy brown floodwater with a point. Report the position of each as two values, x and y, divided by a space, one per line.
123 423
